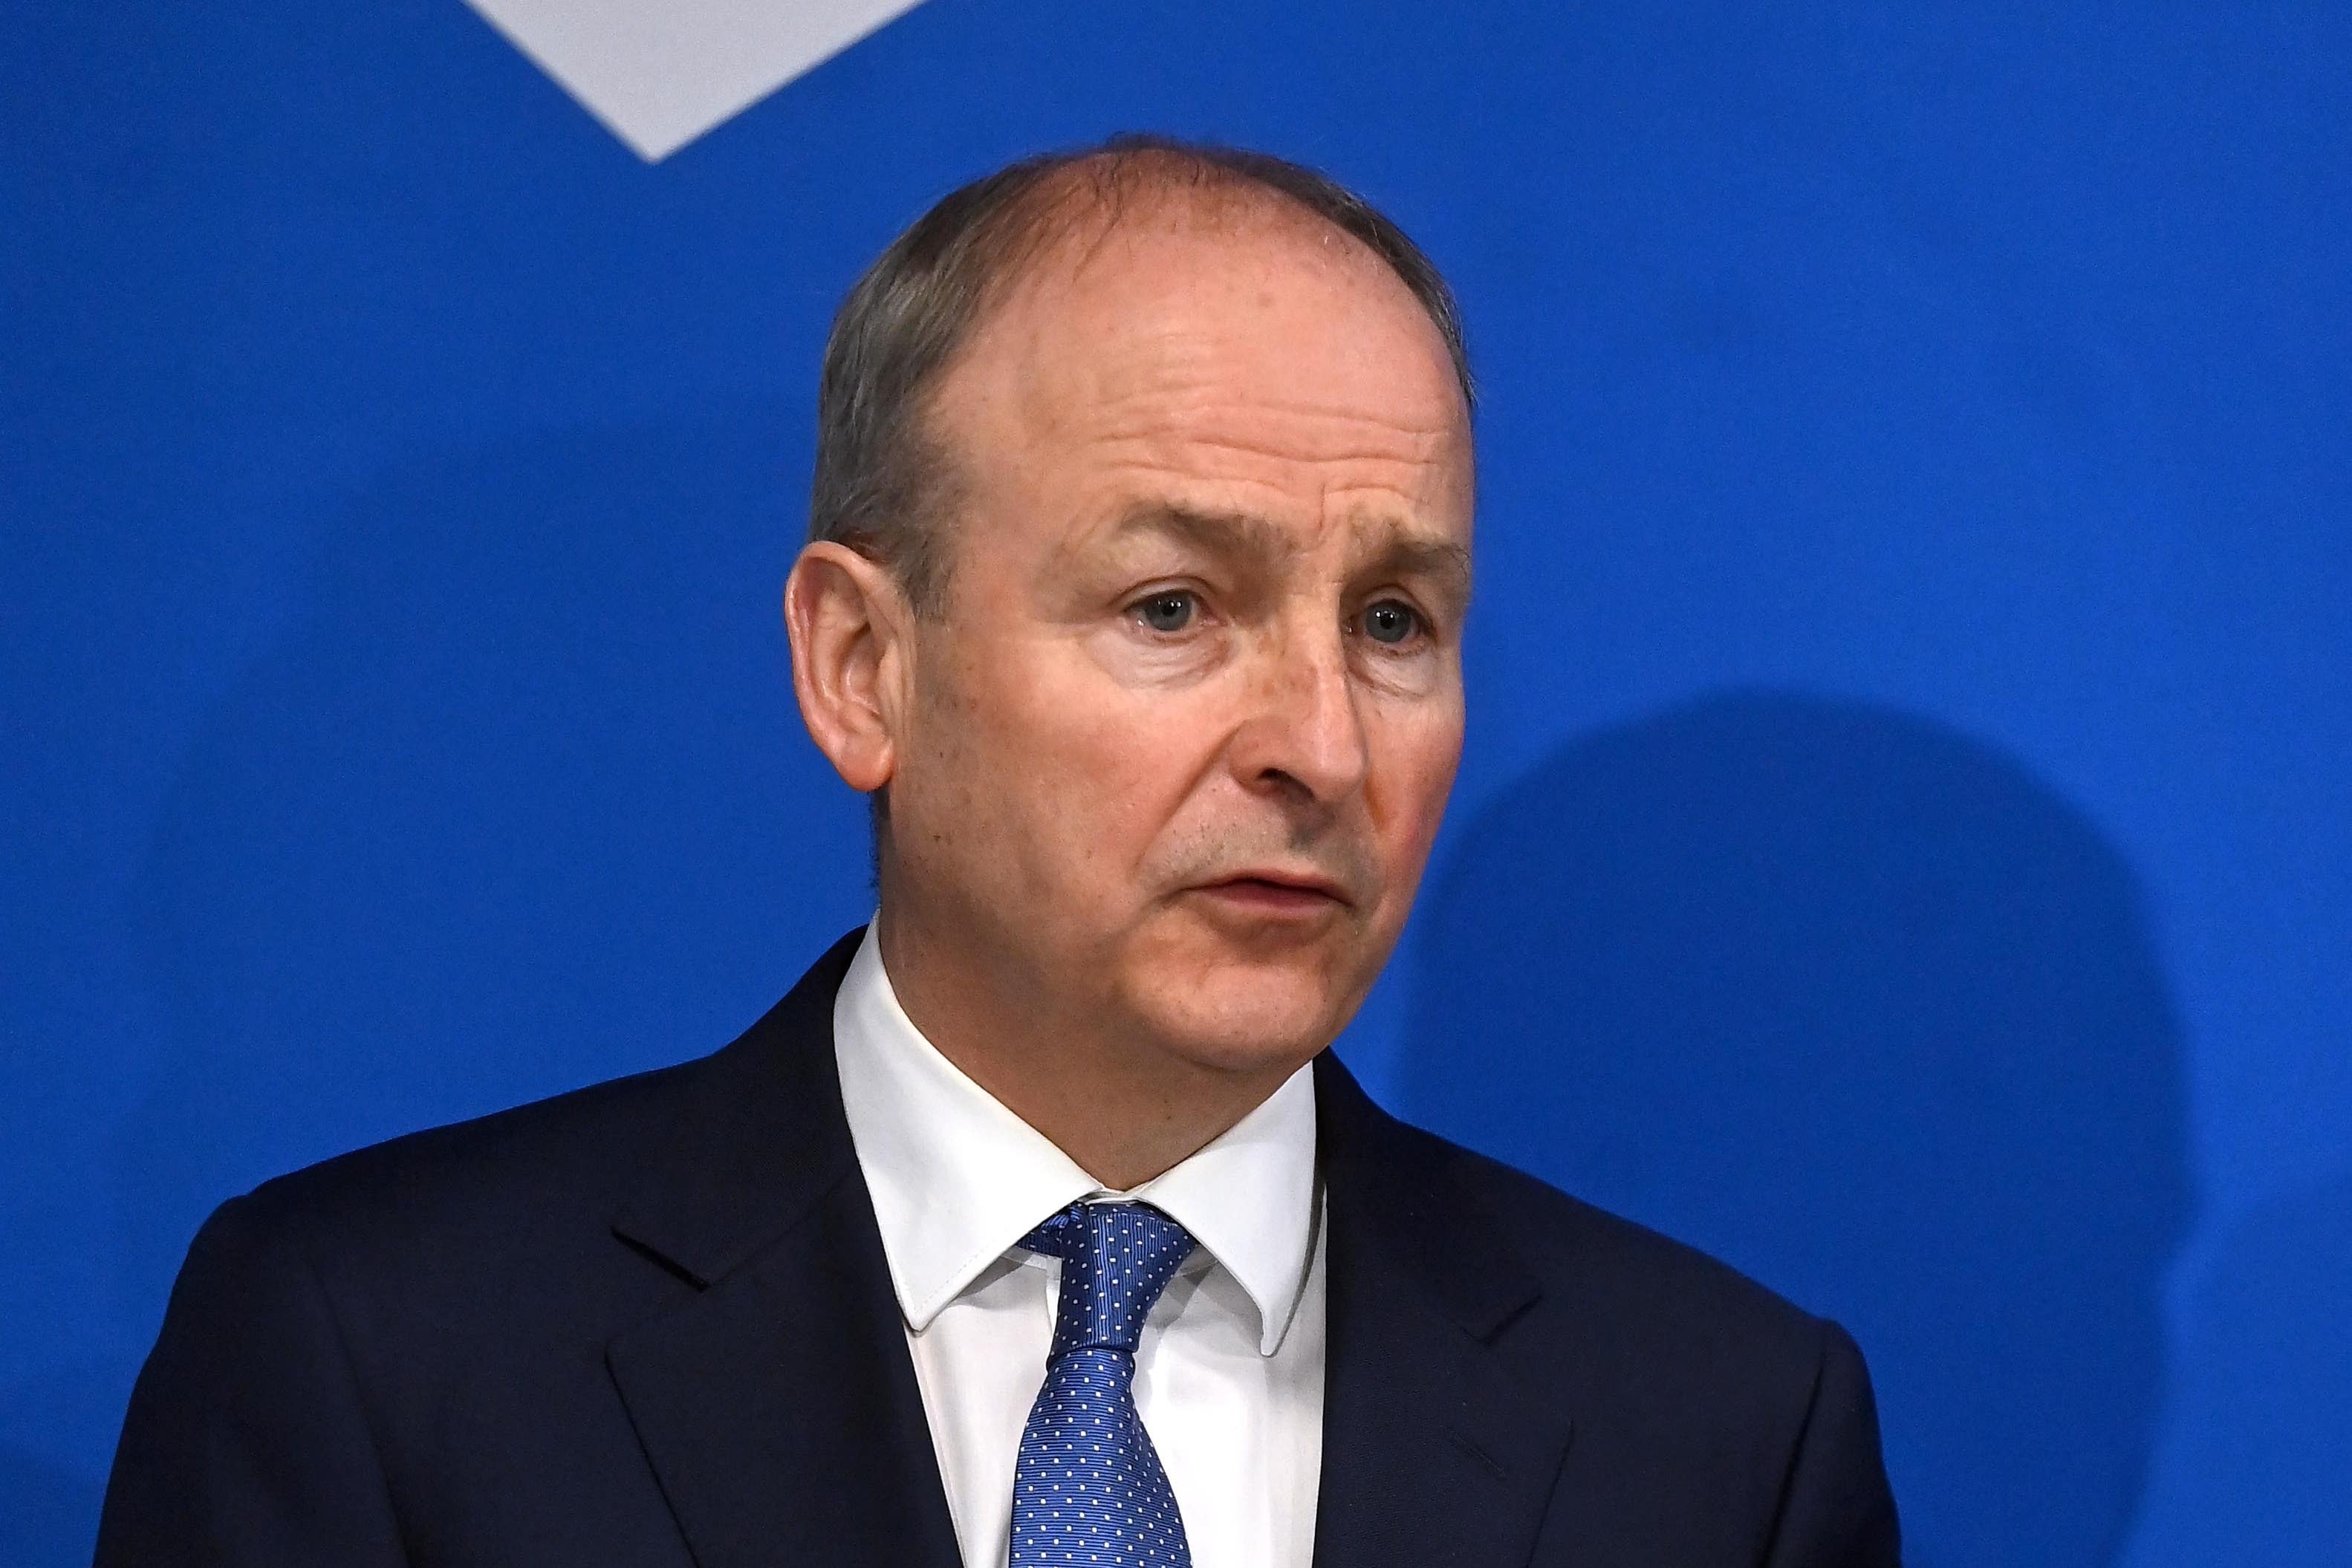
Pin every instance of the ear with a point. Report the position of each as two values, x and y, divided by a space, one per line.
852 636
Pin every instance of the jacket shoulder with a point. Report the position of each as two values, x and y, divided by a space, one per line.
1606 1278
481 1188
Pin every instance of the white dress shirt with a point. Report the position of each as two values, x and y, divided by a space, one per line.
1229 1374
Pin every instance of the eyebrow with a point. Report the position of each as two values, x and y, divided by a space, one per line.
1221 533
1255 539
1412 555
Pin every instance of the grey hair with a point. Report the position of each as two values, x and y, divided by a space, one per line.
884 487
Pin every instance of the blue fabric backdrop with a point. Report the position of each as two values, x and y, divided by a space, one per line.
1903 842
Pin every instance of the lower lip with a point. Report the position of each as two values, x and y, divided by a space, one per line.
1271 898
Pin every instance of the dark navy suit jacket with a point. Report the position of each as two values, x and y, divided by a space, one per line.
649 1325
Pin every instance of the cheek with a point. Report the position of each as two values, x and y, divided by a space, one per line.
1414 754
1084 780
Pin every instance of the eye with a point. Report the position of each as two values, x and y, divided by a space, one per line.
1391 621
1170 609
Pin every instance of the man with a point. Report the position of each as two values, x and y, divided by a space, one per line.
1033 1226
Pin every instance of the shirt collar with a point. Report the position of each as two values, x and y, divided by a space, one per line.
958 1179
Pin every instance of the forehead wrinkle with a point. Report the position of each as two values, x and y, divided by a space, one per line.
1165 397
1288 457
1222 532
1212 508
1292 435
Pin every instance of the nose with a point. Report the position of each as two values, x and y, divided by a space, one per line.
1303 739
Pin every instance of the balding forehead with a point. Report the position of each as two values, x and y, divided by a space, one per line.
1090 223
1097 195
1151 268
1075 212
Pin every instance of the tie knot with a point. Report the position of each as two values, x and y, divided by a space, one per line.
1115 1260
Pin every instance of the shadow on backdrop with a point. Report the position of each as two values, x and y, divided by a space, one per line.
1854 1002
2258 1461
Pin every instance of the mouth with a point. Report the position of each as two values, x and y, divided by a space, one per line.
1278 893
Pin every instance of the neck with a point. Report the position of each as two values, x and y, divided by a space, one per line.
1122 1105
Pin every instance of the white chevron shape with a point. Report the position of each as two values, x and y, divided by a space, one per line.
659 73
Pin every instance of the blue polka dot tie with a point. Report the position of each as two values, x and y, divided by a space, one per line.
1088 1488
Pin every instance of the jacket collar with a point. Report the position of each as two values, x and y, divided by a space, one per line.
756 1138
775 1400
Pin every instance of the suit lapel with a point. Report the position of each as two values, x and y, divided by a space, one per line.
777 1403
1430 1454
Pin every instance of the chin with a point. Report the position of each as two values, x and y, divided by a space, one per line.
1245 1018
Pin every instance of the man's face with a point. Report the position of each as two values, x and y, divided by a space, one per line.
1182 738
